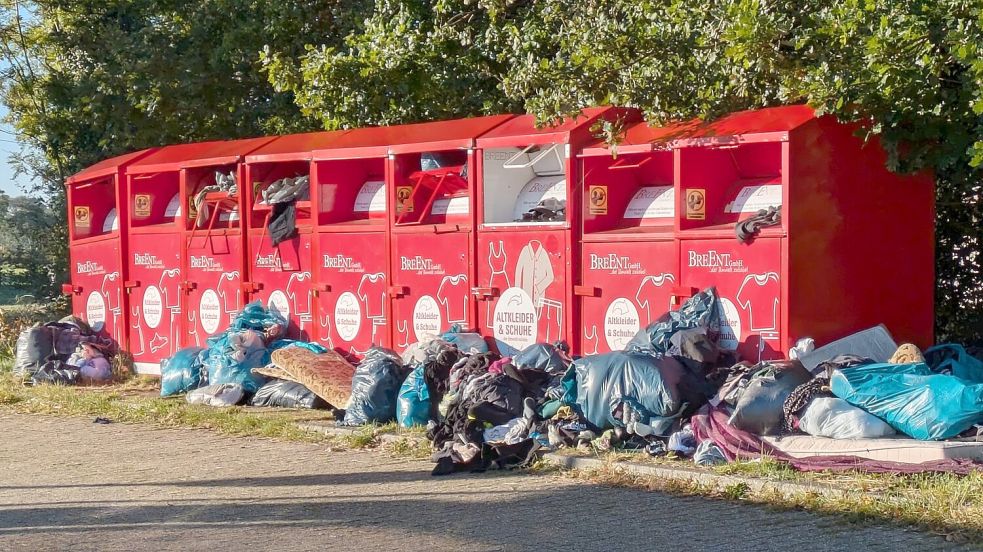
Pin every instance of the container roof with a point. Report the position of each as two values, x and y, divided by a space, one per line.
522 129
107 167
430 136
294 147
200 154
767 123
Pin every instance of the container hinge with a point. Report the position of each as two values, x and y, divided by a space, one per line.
399 291
587 291
485 293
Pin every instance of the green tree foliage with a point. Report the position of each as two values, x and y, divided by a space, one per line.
28 261
89 79
911 70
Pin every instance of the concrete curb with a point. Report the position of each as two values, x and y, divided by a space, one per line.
697 476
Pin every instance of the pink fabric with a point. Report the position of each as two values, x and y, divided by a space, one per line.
499 365
711 424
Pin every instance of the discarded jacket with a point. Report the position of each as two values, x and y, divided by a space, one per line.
912 398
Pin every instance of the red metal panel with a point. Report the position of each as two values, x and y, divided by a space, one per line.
294 147
431 136
155 299
352 286
284 281
626 286
748 278
431 273
861 239
522 129
108 167
201 154
214 274
769 124
524 286
97 280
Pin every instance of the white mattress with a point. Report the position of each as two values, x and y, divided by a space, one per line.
894 449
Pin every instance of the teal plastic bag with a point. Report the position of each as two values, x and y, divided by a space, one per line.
310 346
953 359
182 372
413 403
912 398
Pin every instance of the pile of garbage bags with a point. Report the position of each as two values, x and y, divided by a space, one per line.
66 352
672 392
249 363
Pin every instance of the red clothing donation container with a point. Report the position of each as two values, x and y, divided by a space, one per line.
525 273
630 263
96 250
186 247
281 275
854 247
432 235
351 243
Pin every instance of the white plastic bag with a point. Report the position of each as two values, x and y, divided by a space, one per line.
838 419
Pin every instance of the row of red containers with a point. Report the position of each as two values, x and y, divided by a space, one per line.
411 229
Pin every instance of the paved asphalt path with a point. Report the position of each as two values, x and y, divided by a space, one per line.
69 484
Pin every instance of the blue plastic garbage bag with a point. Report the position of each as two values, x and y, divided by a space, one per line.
232 355
541 356
647 385
912 398
700 311
953 359
256 317
466 342
375 385
413 404
182 372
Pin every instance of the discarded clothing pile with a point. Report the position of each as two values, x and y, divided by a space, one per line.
223 183
283 195
65 352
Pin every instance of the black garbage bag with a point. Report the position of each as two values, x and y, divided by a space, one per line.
375 386
286 394
760 408
700 311
541 356
33 349
56 372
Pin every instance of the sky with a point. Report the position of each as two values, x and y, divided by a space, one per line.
8 145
